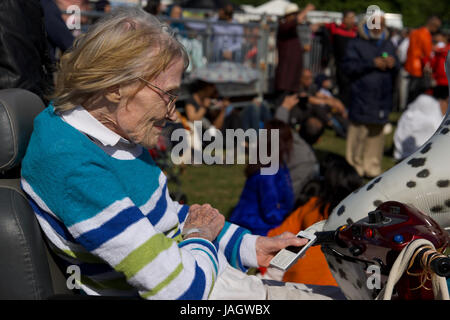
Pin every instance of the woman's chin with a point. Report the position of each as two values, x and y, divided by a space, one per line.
148 141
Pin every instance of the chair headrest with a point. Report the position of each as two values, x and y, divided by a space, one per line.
18 108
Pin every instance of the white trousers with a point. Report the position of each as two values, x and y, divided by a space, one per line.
234 284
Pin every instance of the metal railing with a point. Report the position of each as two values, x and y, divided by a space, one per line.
254 44
248 44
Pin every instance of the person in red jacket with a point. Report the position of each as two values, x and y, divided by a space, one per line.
440 51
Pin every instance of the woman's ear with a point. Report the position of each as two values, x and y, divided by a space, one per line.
113 94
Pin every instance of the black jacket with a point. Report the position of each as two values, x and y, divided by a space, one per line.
24 58
371 89
58 35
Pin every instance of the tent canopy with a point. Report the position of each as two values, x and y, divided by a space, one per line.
207 4
226 72
274 7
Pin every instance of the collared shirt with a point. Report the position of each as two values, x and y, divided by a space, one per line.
109 141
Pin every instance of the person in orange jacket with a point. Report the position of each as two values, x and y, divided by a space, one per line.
321 196
419 56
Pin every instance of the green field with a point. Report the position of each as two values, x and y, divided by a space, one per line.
221 185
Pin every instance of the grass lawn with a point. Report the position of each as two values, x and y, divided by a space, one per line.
218 185
221 185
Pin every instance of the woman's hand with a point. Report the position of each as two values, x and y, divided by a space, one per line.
268 247
206 219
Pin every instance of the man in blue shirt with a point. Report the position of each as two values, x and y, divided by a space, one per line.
228 36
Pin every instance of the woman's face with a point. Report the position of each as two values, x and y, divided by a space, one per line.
142 119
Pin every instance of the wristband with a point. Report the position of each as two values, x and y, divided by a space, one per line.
189 231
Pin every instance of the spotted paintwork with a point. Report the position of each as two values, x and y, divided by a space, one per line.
421 180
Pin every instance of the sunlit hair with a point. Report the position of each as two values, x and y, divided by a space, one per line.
126 44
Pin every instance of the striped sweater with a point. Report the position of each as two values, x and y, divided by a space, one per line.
115 220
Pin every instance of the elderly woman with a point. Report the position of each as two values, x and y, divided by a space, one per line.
100 199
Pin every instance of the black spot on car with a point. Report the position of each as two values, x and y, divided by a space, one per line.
370 186
410 184
417 162
376 203
445 131
377 180
341 210
426 148
443 183
359 283
342 274
446 123
436 209
339 260
447 203
349 221
423 174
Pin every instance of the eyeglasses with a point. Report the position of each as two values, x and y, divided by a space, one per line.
172 97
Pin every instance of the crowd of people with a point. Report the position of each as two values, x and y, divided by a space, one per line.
355 100
365 74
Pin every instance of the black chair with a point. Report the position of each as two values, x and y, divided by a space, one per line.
27 271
